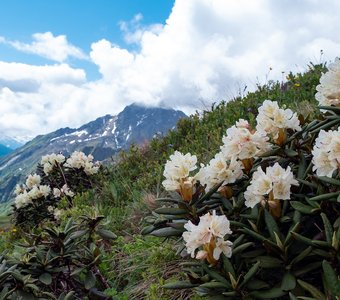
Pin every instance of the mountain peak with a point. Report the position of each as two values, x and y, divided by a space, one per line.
102 138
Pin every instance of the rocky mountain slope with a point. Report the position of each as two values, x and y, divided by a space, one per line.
102 138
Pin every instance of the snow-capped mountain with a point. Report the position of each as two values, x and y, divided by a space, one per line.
102 138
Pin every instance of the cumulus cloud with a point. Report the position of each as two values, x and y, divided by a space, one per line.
205 52
47 45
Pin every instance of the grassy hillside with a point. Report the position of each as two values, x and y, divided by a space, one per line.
137 266
139 174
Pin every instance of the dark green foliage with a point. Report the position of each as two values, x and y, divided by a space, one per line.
291 256
58 260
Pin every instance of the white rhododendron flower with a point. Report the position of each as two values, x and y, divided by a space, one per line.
18 189
176 173
66 191
22 200
209 234
56 193
220 169
275 183
272 119
326 153
33 180
50 161
79 160
242 143
26 197
39 191
328 91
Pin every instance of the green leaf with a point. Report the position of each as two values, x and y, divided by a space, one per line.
302 255
293 228
227 266
306 209
288 282
306 269
292 297
332 281
269 262
332 108
329 180
68 296
179 285
214 285
326 126
271 225
242 247
78 234
329 196
302 166
106 234
171 211
256 284
328 228
227 204
229 294
291 152
148 229
273 293
272 152
46 278
90 280
77 271
309 241
238 240
312 290
167 232
216 276
252 272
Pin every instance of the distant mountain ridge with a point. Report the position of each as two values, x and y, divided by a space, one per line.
102 138
10 142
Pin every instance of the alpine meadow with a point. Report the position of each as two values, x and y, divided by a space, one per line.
241 201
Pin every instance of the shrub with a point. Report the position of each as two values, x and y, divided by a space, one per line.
262 218
61 262
57 181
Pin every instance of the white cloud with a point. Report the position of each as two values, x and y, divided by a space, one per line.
47 45
205 52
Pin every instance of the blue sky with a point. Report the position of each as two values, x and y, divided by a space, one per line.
81 21
67 62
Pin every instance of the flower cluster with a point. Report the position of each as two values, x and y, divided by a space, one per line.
32 180
50 161
55 167
79 160
220 169
274 184
64 191
208 234
328 91
326 153
274 120
26 195
242 143
176 173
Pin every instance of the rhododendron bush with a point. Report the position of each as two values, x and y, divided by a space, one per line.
261 219
58 178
